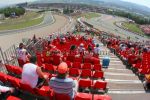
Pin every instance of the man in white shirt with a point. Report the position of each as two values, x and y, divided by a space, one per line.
32 74
22 54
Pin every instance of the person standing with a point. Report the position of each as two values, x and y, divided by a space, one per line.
22 55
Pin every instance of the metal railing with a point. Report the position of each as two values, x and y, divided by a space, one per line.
10 56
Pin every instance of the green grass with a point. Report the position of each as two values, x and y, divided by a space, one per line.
27 20
89 15
133 27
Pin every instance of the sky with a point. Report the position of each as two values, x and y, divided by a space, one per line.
141 2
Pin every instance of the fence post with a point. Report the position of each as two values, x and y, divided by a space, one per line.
2 56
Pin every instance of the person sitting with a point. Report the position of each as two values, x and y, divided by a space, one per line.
63 85
5 91
73 50
32 74
22 55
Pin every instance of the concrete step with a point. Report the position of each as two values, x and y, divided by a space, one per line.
135 95
119 76
117 66
125 86
114 70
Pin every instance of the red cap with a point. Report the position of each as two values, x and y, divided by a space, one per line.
62 68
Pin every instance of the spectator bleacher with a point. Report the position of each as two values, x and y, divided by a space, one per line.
87 71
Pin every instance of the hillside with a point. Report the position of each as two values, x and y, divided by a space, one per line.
115 4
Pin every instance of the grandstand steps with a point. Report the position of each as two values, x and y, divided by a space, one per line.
120 79
125 86
119 76
123 71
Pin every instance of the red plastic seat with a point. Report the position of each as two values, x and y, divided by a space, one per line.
58 96
95 60
74 72
98 74
17 70
13 98
69 64
70 58
3 77
87 66
78 59
26 87
87 60
102 97
86 73
44 91
14 81
100 85
97 67
76 65
85 83
49 67
8 67
83 96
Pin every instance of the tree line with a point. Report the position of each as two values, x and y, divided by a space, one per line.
67 11
139 19
12 10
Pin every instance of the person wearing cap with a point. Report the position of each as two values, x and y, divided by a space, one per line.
63 85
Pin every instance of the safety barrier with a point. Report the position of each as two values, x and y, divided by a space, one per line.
10 55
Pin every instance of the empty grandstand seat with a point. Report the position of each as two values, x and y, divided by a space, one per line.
85 85
14 81
74 72
70 58
87 60
102 97
95 60
98 75
49 67
9 68
58 96
87 66
83 96
3 77
76 65
99 87
12 98
97 67
17 70
69 64
78 59
86 73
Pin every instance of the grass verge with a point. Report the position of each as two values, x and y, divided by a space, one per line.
27 20
132 27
